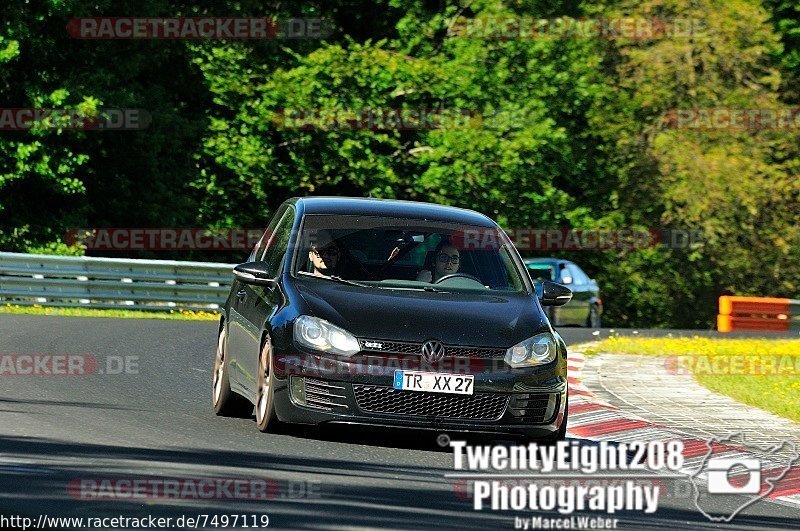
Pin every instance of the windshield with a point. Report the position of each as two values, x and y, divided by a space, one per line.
407 253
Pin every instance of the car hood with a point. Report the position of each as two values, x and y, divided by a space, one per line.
491 319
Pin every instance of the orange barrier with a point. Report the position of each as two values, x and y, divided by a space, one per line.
758 314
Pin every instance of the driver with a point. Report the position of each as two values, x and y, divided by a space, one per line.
446 261
324 255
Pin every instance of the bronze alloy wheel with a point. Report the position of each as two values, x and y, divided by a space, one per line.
265 409
226 403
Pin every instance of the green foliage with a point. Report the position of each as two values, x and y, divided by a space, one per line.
564 131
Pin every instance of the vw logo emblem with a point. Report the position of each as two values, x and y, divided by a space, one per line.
433 351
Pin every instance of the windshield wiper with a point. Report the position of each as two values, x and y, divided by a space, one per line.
429 289
432 289
337 278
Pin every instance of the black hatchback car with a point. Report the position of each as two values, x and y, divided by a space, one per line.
390 313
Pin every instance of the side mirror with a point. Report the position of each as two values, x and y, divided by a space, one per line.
553 294
256 273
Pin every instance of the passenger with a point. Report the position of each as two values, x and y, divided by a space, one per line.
446 261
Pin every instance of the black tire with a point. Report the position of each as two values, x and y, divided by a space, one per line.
593 320
266 418
226 403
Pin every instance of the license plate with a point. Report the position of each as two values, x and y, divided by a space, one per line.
434 382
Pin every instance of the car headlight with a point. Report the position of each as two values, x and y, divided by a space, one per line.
319 334
537 350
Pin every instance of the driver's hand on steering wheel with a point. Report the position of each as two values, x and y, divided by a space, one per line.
425 276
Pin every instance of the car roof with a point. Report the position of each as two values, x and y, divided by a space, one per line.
391 207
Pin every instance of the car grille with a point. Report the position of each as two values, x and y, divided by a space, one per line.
533 408
324 396
480 406
402 347
390 347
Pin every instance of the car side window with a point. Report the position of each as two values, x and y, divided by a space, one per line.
584 278
258 250
278 242
578 276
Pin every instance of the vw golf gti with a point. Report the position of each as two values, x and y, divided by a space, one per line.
390 313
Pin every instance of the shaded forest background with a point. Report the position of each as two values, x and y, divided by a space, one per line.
583 142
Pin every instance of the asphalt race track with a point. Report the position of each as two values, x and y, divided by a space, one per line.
156 421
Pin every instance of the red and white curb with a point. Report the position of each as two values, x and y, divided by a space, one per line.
592 418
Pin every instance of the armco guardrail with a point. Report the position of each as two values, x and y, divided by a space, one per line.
27 279
758 314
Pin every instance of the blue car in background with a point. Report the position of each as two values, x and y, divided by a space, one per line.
586 306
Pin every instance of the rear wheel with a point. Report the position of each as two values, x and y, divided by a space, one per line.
266 419
226 403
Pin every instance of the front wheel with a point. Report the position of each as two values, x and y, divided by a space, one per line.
226 403
266 418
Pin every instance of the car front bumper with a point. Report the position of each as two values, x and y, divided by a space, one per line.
528 402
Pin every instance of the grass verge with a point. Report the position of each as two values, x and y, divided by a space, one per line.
184 315
764 373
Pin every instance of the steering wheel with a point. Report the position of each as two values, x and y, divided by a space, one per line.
457 275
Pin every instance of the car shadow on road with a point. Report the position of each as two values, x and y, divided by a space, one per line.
398 438
44 476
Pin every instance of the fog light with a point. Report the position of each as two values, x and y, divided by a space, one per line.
297 388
